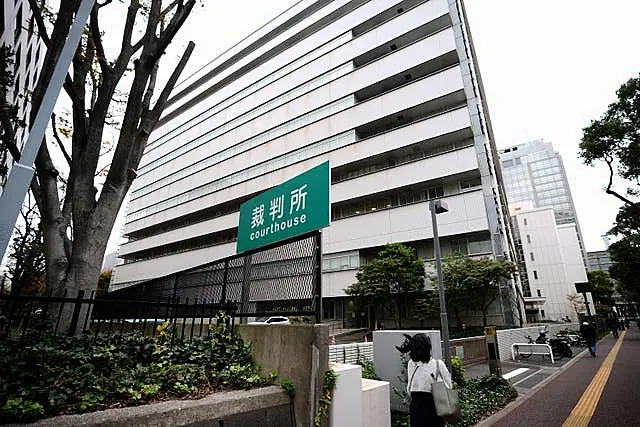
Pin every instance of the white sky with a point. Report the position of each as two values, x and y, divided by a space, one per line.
548 67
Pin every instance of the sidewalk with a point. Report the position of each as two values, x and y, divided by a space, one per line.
550 402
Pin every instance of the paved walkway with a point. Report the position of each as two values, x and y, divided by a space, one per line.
601 391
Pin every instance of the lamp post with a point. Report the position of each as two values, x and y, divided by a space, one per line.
438 207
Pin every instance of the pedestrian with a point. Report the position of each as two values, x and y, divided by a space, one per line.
588 332
612 323
626 322
422 371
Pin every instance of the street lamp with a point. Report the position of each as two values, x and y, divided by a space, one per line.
438 207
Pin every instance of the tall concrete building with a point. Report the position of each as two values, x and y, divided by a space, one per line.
534 172
599 260
388 91
549 262
19 33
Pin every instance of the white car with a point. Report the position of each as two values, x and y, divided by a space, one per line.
273 320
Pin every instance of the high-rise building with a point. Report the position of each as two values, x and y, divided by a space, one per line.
388 91
599 260
19 33
534 172
549 262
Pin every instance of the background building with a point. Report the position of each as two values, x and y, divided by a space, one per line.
388 91
549 261
599 260
534 172
19 32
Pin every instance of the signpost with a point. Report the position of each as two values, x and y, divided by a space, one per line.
295 207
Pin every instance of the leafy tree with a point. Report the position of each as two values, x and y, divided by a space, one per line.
26 257
78 212
625 256
103 282
602 287
615 140
427 306
454 276
396 272
475 283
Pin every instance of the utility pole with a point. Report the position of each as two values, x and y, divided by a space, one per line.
437 207
21 172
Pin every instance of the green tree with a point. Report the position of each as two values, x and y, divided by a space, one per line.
454 278
426 306
475 283
103 283
389 279
78 209
602 287
625 256
615 140
26 263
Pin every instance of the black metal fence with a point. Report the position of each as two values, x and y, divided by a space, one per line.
37 315
280 279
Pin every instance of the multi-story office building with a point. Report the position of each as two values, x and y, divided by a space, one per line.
387 91
549 262
534 172
598 260
19 33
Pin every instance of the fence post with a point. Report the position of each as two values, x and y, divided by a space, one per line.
318 278
76 313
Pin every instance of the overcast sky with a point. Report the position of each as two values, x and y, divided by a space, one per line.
548 66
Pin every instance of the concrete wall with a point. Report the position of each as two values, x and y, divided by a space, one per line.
506 337
269 406
376 405
353 392
347 396
296 352
389 364
470 350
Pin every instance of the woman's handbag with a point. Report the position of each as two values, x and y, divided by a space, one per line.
445 399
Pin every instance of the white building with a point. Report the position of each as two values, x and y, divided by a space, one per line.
19 32
550 262
388 91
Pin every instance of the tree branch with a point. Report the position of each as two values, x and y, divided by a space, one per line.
97 38
172 29
58 140
609 161
42 32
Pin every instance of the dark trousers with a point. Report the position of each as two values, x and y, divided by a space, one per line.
591 342
423 410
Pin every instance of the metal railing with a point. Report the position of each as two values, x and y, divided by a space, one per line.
37 315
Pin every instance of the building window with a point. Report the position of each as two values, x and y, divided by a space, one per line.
539 293
528 238
341 261
524 220
329 310
532 257
535 274
542 313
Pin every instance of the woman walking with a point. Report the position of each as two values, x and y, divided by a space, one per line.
422 371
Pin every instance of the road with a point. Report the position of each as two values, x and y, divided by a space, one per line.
601 391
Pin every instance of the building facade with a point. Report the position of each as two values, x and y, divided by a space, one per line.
549 263
534 172
598 260
20 34
388 91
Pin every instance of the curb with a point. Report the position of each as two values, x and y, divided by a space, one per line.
521 399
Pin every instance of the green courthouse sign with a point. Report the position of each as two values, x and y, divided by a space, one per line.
295 207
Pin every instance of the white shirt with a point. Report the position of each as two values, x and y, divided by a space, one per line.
425 375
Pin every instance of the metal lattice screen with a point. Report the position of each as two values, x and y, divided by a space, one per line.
279 279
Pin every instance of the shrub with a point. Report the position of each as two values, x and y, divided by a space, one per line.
457 372
86 373
479 398
368 369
